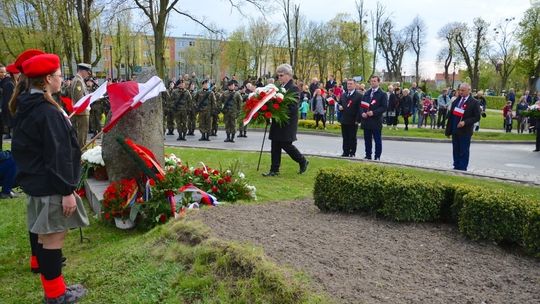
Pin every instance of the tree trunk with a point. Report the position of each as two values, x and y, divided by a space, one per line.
144 126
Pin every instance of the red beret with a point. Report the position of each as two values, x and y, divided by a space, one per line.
12 69
25 56
41 65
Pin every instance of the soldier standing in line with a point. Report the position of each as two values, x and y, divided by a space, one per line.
205 105
192 112
182 104
215 111
168 113
78 89
232 105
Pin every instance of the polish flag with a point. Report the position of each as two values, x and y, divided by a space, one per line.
458 112
125 96
364 105
198 195
267 96
84 103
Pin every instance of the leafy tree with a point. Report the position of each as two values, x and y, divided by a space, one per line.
529 54
416 33
471 43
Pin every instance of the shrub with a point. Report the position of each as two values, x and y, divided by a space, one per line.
531 234
495 102
495 215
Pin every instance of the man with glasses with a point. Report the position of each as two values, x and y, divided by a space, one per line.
78 89
282 136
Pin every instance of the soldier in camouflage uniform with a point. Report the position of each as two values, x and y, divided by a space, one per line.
168 112
241 128
205 103
97 109
192 112
215 112
78 89
232 103
182 103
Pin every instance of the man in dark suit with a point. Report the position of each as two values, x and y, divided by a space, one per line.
349 106
331 83
464 113
282 136
372 107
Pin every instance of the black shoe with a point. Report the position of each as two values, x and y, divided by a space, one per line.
191 133
303 166
170 133
179 138
207 137
367 157
352 155
377 158
536 150
270 173
232 138
344 155
203 138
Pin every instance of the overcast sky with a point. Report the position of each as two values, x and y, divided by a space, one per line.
434 13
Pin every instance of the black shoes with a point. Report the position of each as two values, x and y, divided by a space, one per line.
536 150
303 166
270 173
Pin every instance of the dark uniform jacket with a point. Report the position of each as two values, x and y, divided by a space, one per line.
470 117
45 148
351 107
7 86
378 104
287 131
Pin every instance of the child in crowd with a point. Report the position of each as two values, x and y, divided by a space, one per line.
507 114
304 107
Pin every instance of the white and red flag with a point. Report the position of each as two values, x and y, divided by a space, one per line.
364 105
458 112
125 96
82 104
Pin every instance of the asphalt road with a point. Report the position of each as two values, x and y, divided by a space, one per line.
506 161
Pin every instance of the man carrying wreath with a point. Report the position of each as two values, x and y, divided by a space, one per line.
463 114
282 135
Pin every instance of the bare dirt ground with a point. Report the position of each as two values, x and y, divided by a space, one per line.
362 259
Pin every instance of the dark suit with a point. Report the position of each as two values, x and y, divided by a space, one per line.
282 136
461 137
349 121
372 125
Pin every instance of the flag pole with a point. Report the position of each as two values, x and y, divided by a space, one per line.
262 146
92 140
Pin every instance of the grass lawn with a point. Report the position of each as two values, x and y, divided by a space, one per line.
155 267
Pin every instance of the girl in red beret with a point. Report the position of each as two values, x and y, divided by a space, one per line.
48 156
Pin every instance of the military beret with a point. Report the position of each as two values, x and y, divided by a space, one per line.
41 65
204 81
84 66
25 56
12 69
231 82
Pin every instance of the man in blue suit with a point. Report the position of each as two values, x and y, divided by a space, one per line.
464 113
373 106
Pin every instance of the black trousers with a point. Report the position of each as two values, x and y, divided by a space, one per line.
288 147
348 132
441 119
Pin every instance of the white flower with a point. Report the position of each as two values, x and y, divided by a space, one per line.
270 86
93 156
252 191
279 96
241 175
228 171
282 89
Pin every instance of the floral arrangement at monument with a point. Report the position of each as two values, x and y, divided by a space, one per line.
118 199
269 102
93 164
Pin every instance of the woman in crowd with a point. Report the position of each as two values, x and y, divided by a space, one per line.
393 109
405 107
48 159
318 106
522 120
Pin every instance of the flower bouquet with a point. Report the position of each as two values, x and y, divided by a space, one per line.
118 199
93 164
532 112
269 102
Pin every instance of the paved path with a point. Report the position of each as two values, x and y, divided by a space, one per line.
506 161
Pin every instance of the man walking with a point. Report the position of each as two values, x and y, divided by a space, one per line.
282 136
373 106
78 89
464 113
349 106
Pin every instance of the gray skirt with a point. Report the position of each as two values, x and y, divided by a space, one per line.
45 215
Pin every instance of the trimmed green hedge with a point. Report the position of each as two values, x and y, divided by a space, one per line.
480 214
496 102
310 124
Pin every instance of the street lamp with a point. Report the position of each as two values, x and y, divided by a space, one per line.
112 71
453 75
